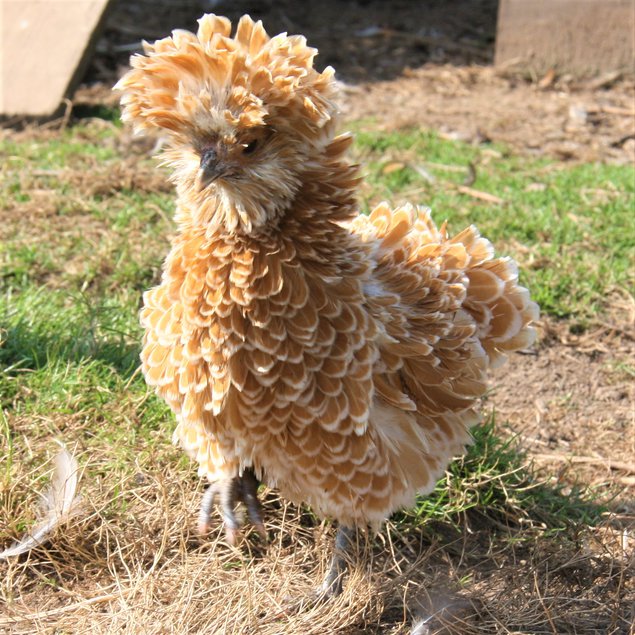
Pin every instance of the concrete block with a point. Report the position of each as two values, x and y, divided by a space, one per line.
44 50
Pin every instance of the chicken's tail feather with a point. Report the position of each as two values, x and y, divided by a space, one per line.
500 307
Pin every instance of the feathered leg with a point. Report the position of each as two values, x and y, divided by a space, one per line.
241 489
343 552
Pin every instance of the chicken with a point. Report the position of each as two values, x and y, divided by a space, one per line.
337 357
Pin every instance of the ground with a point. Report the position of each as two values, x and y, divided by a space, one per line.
569 402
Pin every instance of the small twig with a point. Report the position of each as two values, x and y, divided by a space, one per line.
447 168
588 460
68 110
543 605
48 172
604 80
422 172
622 140
483 196
612 110
137 371
624 331
471 175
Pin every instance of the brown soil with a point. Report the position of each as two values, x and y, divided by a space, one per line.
571 402
554 117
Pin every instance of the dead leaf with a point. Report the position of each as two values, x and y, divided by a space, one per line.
393 166
548 79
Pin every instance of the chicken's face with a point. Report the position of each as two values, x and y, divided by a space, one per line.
232 158
257 169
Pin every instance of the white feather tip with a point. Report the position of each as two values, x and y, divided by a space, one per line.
60 503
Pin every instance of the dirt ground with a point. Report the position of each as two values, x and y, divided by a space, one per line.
571 403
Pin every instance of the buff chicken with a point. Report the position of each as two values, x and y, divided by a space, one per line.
337 357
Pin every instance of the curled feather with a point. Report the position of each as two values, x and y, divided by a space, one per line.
60 503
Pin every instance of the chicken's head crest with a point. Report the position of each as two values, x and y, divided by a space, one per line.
188 83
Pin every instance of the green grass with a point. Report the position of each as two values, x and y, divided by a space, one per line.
79 246
54 154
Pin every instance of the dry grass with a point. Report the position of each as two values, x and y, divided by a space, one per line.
131 563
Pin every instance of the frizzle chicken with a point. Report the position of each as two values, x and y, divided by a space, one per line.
337 357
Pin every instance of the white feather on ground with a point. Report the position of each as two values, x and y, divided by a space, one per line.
439 611
60 502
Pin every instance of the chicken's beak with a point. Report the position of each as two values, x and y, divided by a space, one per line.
212 167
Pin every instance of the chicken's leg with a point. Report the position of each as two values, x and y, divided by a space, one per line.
230 492
343 552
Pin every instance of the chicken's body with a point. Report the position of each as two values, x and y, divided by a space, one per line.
341 357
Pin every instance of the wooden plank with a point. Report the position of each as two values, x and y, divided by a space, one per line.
45 47
581 37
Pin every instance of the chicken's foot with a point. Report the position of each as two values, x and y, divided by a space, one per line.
343 552
230 492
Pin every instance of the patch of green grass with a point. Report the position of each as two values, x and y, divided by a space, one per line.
65 356
68 151
41 326
69 371
81 227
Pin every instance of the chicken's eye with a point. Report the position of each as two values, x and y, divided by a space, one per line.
250 146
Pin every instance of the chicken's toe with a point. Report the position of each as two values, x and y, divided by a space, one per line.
205 511
229 493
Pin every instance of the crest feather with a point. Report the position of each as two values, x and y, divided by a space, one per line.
251 79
